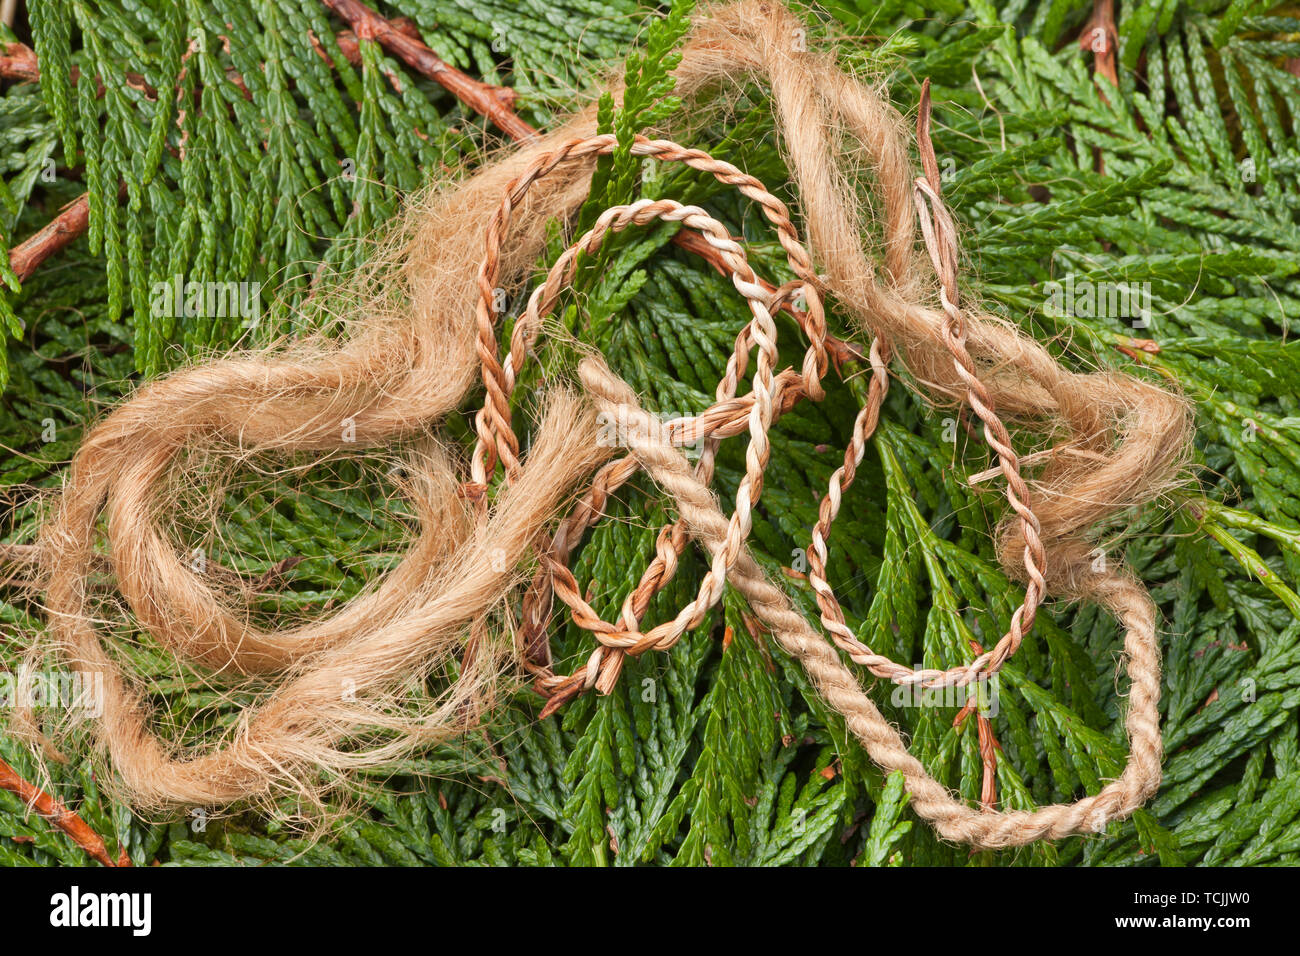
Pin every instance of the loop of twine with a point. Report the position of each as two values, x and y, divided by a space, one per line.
756 413
496 438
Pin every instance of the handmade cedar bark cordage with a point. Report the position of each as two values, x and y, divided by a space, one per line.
421 330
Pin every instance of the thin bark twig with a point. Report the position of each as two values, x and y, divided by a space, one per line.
1101 38
494 102
52 809
18 63
59 233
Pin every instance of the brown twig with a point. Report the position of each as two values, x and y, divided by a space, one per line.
494 102
53 810
350 47
63 230
989 748
1101 38
19 63
1149 346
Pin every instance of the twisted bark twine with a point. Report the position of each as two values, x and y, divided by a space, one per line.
422 332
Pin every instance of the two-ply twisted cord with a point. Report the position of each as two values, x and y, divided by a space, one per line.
651 445
497 439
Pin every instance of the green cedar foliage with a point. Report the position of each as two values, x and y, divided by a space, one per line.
1183 181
